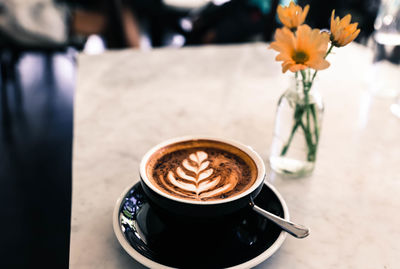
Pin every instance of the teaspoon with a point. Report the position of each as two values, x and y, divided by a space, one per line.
297 230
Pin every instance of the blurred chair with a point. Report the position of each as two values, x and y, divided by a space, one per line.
204 21
233 21
110 19
158 19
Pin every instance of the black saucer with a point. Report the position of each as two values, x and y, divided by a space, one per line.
242 240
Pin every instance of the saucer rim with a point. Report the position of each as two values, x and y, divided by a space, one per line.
152 264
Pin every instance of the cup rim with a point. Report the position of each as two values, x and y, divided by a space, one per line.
247 149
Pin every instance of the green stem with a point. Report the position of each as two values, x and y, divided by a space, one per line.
311 150
316 126
329 50
304 75
286 147
307 108
307 104
306 89
298 113
298 119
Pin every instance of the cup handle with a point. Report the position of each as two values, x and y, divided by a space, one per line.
298 231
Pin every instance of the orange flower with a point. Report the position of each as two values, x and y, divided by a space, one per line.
342 32
305 49
293 15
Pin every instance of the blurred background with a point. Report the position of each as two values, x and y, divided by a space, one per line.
39 42
113 24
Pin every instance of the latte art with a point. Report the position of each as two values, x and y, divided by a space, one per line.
201 170
203 183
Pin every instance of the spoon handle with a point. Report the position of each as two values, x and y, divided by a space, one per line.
294 229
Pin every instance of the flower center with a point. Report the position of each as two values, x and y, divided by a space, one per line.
300 57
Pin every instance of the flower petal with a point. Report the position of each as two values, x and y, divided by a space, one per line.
305 12
293 15
342 32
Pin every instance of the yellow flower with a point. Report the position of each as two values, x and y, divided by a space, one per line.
342 32
293 15
305 49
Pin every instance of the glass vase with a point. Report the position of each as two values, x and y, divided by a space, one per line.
297 130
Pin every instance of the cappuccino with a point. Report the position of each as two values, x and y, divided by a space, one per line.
203 170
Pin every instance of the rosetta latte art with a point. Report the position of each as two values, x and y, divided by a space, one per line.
195 178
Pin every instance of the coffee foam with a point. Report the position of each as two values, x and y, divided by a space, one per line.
201 170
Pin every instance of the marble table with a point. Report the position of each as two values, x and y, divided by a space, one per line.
127 101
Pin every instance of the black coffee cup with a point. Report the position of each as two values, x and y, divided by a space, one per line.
202 209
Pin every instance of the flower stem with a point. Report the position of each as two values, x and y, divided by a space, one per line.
286 147
306 89
298 114
301 110
307 135
316 127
